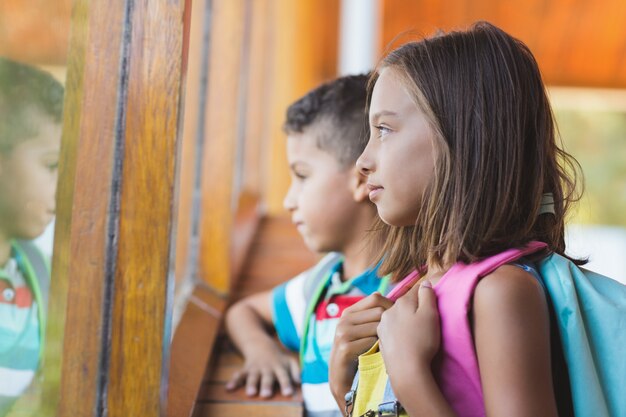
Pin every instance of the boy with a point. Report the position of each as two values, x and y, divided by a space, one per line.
328 202
31 103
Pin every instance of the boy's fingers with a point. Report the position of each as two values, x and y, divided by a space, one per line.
362 345
372 300
284 381
267 384
385 302
252 383
363 331
294 370
235 381
371 315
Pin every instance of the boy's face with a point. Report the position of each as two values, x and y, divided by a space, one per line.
28 180
321 196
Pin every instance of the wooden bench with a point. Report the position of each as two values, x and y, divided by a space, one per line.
275 254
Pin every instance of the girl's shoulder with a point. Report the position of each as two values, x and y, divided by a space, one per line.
509 291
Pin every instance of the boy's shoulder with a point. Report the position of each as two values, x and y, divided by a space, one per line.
313 277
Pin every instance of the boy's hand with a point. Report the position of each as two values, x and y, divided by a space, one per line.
355 334
266 366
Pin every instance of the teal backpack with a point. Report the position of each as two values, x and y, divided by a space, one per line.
590 312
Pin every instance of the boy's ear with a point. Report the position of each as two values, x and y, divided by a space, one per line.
360 192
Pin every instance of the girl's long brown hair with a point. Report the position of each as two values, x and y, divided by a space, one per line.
496 146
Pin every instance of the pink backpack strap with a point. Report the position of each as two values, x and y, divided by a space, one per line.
482 268
457 372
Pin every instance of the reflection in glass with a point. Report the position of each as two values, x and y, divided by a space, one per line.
31 103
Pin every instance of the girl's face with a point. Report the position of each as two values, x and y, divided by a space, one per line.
399 159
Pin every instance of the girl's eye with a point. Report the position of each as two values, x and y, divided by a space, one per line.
382 131
299 176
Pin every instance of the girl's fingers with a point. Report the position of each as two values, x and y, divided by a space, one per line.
427 297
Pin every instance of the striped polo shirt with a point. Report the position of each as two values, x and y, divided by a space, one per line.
290 302
19 335
24 285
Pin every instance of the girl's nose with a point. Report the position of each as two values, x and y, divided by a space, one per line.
365 163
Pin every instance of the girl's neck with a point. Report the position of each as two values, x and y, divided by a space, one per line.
435 272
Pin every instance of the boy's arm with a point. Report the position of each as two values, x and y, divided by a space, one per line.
248 323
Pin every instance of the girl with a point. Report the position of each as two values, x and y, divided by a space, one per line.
462 153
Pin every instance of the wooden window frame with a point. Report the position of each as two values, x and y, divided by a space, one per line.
116 210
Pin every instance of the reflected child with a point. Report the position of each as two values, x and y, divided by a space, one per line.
31 104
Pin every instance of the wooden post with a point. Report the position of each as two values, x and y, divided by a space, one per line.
116 208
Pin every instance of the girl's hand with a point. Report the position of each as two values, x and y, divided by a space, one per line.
355 334
409 332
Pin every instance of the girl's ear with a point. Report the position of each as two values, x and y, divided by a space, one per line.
360 192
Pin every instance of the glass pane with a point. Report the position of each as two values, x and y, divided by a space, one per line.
33 47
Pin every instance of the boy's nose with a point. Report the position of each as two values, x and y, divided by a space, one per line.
289 202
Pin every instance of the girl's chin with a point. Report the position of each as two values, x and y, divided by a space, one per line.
395 221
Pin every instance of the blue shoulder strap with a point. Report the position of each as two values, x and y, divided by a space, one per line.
312 292
37 276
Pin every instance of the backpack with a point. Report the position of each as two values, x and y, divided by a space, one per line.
590 310
590 313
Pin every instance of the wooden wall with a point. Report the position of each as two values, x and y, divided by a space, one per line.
579 44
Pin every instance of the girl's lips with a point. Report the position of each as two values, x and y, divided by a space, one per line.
374 190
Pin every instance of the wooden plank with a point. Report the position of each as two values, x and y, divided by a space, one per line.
215 392
192 118
139 327
191 349
221 129
94 68
245 227
258 409
275 235
194 338
120 134
56 315
257 132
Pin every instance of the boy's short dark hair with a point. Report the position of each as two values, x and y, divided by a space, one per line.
341 105
25 92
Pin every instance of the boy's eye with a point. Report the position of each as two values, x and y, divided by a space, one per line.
52 166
